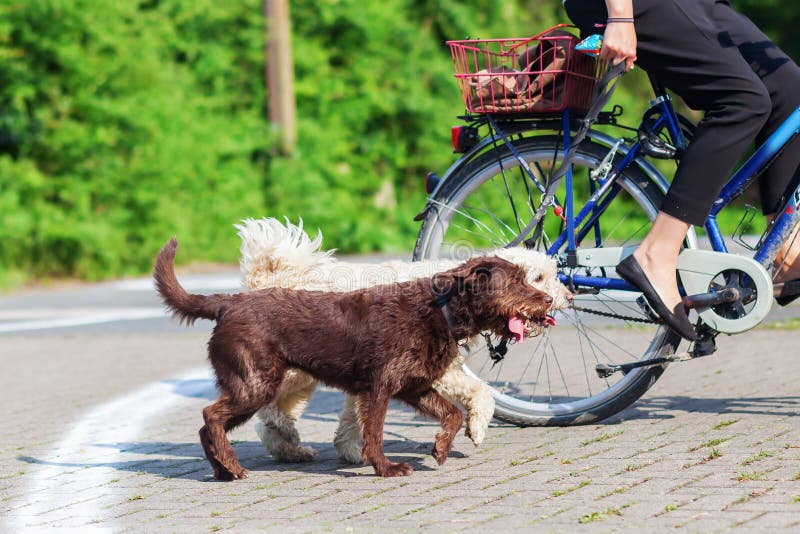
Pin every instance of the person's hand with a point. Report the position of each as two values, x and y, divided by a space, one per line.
619 44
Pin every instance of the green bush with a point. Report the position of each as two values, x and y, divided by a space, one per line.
124 124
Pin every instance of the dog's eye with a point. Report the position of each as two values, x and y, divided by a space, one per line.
539 278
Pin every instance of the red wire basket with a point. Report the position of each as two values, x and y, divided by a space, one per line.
537 75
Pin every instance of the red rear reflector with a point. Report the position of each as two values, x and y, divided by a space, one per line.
455 134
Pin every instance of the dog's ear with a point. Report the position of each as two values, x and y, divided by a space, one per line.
473 275
479 276
446 284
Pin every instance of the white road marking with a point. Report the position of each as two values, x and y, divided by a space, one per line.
77 317
190 283
89 455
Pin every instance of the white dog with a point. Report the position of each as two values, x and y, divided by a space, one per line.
278 255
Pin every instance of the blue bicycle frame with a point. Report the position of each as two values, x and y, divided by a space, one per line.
578 226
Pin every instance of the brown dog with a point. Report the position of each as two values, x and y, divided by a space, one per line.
384 342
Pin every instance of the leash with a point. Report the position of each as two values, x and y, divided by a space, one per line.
442 300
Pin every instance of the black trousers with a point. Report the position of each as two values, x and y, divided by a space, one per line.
719 62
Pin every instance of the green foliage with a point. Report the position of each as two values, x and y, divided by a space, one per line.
778 18
123 123
376 96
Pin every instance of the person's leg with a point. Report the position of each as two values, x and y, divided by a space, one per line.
679 44
661 247
781 76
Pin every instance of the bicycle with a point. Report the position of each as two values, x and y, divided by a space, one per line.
553 182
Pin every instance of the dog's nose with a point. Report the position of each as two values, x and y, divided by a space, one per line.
570 296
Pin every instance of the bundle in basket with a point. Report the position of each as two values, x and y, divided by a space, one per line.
539 75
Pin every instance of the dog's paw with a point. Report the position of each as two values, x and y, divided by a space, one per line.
439 455
476 432
296 455
350 453
392 469
442 447
226 475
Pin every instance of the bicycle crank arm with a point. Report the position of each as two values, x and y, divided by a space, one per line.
714 298
604 370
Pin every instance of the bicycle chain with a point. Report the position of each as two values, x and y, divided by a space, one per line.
613 315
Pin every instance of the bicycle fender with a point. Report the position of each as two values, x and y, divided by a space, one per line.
453 169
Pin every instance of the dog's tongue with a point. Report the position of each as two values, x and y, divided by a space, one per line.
517 327
551 321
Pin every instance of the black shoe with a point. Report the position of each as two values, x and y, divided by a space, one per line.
630 271
784 301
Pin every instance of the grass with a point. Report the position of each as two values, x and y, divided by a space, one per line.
760 456
636 467
603 514
714 453
600 439
709 443
749 475
723 424
786 324
750 496
670 507
522 460
620 490
559 493
135 498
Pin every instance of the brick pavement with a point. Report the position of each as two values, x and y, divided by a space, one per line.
101 432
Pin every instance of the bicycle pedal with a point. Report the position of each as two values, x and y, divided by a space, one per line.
648 310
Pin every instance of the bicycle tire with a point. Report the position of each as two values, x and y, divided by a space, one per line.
452 197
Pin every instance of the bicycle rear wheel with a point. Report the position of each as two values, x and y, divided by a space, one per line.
551 380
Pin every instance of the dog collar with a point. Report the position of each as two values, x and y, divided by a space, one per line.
442 301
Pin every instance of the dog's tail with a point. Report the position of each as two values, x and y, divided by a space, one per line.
274 254
185 306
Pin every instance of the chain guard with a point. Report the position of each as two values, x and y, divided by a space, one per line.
698 269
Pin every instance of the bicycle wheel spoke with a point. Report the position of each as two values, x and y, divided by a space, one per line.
525 370
473 220
531 204
486 210
583 359
560 372
592 345
539 370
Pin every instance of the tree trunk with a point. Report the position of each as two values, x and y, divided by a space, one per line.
280 80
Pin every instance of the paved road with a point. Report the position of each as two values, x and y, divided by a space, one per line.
102 394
